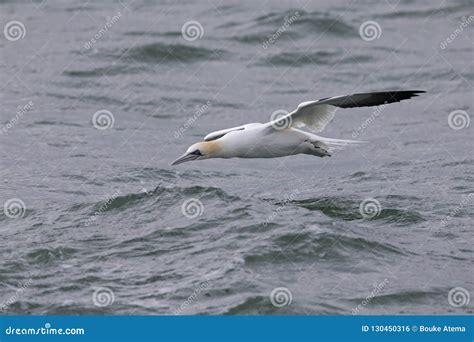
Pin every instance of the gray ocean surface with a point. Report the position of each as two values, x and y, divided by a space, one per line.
103 210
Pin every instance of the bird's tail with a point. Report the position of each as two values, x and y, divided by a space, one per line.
339 144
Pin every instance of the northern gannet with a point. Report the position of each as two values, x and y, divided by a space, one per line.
282 136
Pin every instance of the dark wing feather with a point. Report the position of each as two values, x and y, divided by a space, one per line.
370 99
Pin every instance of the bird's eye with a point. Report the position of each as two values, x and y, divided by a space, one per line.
197 153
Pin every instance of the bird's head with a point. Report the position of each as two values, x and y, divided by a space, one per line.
200 150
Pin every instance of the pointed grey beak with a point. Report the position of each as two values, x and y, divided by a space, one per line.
184 158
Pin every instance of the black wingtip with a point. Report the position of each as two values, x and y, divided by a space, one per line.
371 99
405 94
398 96
414 93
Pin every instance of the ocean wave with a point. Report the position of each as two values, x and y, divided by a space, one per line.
317 58
153 34
259 38
109 71
169 53
161 195
301 247
290 25
431 12
309 22
261 305
348 210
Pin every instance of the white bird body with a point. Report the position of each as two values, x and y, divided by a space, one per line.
282 136
260 142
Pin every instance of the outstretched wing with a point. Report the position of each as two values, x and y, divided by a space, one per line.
219 134
315 115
